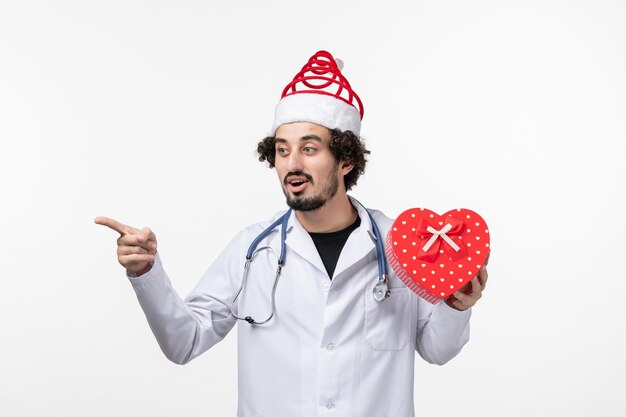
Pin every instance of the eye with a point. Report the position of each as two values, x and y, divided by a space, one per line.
308 149
282 150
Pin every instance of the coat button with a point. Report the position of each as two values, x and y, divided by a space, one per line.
330 405
326 286
330 347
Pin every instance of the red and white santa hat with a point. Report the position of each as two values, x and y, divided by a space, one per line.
320 94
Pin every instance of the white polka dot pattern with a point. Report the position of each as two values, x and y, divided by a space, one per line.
440 278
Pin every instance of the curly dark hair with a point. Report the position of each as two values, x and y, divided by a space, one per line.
345 146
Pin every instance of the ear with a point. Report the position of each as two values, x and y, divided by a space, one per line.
345 167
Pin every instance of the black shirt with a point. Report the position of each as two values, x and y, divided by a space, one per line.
329 245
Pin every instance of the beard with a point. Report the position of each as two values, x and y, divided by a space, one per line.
299 203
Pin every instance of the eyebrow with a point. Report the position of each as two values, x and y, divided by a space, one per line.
302 139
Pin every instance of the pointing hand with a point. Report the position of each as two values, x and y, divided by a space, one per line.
135 248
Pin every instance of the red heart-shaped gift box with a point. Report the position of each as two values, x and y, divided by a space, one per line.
435 255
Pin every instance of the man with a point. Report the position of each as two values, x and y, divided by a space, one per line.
314 340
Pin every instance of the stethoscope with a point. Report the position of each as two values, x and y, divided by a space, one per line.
380 290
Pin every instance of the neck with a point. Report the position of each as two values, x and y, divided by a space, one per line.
336 214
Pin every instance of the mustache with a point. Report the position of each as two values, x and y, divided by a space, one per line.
297 174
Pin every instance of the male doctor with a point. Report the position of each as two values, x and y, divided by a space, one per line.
313 339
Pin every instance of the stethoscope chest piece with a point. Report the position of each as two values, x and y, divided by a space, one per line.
381 291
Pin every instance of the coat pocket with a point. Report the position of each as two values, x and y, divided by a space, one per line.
388 322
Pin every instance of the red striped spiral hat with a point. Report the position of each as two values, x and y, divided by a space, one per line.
320 94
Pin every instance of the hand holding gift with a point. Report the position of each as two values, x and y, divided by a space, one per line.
441 257
467 296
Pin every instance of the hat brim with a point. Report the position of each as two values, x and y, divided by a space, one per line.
320 109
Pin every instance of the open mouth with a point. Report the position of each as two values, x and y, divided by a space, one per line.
297 184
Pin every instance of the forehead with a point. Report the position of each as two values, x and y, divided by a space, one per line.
297 131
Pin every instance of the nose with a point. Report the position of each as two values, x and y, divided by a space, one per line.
294 162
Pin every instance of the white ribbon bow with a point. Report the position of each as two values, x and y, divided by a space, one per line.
442 234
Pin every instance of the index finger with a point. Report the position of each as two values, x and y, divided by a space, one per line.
113 224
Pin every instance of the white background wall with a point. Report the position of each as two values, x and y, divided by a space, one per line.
150 111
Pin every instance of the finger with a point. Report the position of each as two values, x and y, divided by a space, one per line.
130 250
135 240
454 303
476 287
462 297
134 259
146 235
458 305
469 299
467 288
113 224
461 301
482 277
488 255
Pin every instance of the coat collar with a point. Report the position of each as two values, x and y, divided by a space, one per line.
359 244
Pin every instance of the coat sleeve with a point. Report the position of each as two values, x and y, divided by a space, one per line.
186 328
441 331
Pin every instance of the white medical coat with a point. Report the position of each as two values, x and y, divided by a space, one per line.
331 349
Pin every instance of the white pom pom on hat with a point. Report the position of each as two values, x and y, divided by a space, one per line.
320 94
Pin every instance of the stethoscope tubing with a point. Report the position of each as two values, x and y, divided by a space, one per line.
282 220
380 290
